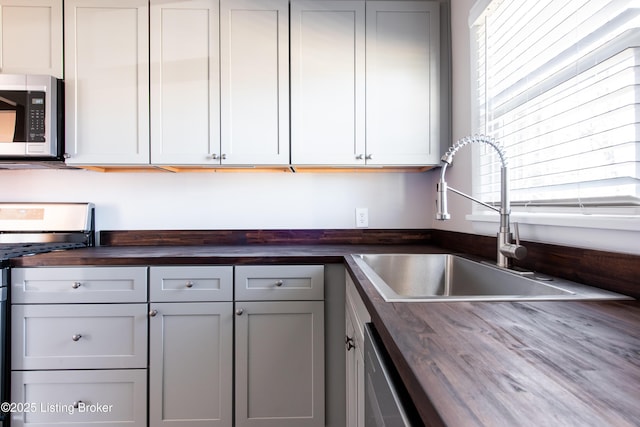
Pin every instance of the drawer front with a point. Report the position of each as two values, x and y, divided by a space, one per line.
194 283
63 398
279 282
49 285
79 336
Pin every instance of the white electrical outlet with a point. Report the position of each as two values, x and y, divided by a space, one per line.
362 217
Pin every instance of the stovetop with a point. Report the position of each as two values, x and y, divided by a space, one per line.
33 228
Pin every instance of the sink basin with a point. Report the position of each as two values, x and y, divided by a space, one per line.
448 277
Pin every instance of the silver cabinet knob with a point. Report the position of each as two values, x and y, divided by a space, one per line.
223 156
360 157
153 313
76 285
76 337
240 311
279 283
214 156
369 156
189 284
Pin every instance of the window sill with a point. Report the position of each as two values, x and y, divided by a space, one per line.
616 233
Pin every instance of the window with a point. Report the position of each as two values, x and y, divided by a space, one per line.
558 84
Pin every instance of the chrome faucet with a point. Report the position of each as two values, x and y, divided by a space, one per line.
506 248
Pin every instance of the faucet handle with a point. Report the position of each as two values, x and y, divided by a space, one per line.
514 250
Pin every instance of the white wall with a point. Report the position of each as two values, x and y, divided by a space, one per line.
230 200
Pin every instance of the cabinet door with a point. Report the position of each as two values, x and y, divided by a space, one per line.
31 35
79 336
255 81
350 367
280 364
107 81
327 82
355 317
185 82
105 398
403 59
191 366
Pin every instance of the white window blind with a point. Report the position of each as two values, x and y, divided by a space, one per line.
558 84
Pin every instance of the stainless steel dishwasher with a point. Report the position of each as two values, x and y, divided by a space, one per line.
386 401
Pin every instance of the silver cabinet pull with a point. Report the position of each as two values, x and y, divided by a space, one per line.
240 311
76 285
76 337
153 313
279 283
189 284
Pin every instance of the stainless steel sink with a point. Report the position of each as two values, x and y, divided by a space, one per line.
447 277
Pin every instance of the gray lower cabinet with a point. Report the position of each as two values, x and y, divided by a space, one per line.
191 346
79 346
279 362
190 375
224 346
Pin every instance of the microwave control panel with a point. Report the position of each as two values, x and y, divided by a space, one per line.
36 109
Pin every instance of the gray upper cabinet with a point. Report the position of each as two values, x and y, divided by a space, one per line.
365 83
31 34
106 82
185 82
328 82
245 83
254 72
403 84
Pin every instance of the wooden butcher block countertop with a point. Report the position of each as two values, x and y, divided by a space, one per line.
543 363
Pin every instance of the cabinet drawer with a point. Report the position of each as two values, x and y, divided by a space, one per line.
79 336
279 282
63 398
197 283
78 284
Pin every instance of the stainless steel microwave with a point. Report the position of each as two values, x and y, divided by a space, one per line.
31 117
